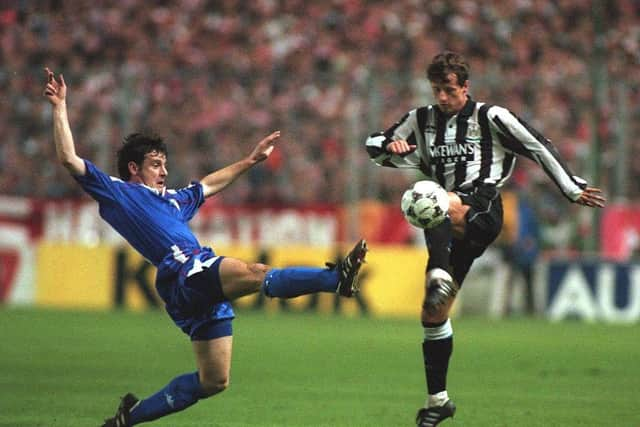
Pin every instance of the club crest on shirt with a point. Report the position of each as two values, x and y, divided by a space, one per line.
473 131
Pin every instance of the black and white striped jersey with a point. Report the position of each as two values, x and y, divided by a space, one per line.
476 146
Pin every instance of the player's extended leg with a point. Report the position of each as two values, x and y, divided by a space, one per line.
213 358
476 220
240 278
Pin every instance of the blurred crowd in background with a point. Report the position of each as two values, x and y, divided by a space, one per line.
215 76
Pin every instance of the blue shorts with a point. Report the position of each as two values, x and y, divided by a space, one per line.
196 302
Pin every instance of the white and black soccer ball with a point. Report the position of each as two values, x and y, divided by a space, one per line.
425 204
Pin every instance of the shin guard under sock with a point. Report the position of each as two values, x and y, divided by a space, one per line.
436 350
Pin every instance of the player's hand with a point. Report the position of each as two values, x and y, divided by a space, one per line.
400 146
56 89
264 147
592 197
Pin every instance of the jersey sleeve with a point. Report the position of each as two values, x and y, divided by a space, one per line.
97 184
519 137
189 199
406 128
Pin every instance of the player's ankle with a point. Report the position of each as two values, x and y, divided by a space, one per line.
437 399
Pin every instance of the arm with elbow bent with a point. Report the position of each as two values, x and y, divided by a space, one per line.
56 93
222 178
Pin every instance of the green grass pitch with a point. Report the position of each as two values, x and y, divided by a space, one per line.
68 368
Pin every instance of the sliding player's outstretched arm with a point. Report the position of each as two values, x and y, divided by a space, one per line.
220 179
56 93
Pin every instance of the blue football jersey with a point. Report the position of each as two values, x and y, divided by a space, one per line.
154 224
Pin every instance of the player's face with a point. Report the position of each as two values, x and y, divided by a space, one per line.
450 95
152 172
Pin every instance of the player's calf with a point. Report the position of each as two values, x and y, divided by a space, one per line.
341 278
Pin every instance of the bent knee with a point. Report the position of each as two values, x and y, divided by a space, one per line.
254 276
213 386
436 315
257 271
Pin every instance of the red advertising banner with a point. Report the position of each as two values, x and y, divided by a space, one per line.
78 221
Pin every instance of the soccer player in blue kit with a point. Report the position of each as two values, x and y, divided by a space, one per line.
195 283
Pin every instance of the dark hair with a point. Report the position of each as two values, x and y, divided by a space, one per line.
446 63
135 147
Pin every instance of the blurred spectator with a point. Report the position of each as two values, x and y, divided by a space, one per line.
521 247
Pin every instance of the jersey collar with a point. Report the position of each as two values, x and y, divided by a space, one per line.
466 111
154 190
468 108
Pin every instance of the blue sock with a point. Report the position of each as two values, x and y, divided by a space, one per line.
295 281
179 394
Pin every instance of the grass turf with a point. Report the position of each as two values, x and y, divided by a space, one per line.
68 368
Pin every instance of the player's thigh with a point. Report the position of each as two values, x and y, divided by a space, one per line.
485 217
457 213
484 222
240 278
213 358
481 213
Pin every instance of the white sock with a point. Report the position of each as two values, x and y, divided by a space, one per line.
437 399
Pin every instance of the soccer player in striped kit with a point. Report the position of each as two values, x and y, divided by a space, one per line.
196 284
469 148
